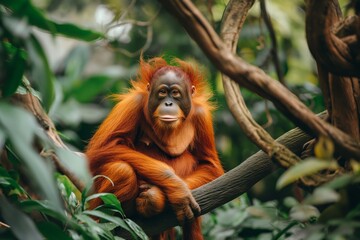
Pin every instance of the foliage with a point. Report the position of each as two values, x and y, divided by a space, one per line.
35 201
330 211
287 218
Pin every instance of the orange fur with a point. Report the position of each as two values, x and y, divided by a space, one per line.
146 173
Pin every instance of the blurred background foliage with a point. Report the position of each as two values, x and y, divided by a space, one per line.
74 70
87 73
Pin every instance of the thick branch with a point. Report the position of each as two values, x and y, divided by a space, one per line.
255 79
229 186
327 48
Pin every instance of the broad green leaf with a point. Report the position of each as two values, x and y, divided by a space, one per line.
41 72
2 139
305 168
112 200
304 212
290 202
11 183
86 90
76 163
88 187
73 113
97 229
75 64
126 224
17 27
21 128
69 186
136 229
118 221
52 231
15 70
341 181
35 17
20 224
322 195
43 207
74 31
47 209
96 195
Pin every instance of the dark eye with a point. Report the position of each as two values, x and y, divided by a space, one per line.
175 93
162 92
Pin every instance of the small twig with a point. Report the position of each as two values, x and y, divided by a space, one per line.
274 46
149 33
4 225
268 115
149 37
126 11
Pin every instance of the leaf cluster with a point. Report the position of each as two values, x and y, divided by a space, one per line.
36 201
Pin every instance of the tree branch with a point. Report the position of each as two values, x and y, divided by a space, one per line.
334 53
255 79
233 19
229 186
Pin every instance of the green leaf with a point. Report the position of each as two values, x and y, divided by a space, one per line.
2 139
96 195
47 209
136 229
75 64
21 225
304 212
12 184
69 186
15 70
41 72
95 228
87 189
88 89
37 18
112 200
21 128
126 224
43 207
73 31
322 195
306 167
341 181
118 221
76 163
52 231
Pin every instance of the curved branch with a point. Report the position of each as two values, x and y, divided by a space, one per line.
229 186
327 48
234 16
255 79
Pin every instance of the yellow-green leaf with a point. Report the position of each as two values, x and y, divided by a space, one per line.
307 167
